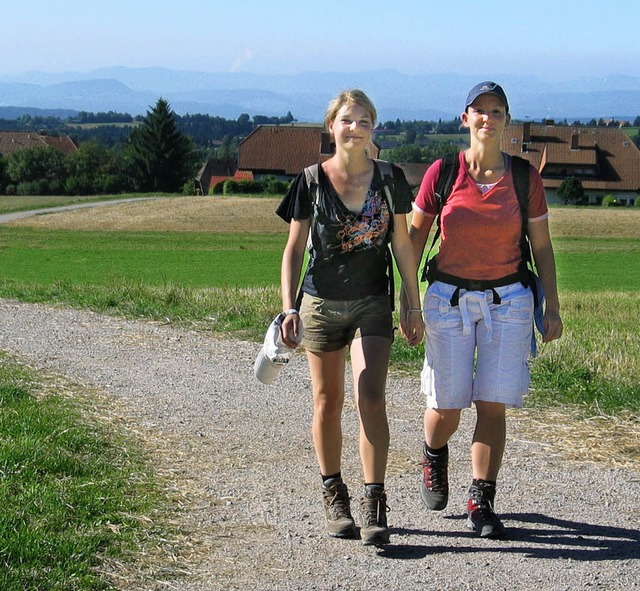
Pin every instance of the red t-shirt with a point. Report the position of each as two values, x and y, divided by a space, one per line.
480 232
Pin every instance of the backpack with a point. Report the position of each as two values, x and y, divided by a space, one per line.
520 171
313 180
526 272
386 172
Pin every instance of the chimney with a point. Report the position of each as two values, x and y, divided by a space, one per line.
575 140
526 132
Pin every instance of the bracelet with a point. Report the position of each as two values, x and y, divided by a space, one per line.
291 311
415 310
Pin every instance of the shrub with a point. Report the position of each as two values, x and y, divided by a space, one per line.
217 189
273 186
242 187
609 201
571 190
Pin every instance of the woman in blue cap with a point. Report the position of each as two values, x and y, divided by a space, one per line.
478 313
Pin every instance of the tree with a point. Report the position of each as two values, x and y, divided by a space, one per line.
571 190
4 178
37 171
94 169
406 153
159 156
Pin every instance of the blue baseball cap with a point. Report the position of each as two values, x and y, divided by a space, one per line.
487 87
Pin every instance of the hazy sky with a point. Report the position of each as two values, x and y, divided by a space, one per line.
559 38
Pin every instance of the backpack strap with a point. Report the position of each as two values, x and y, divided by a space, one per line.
386 172
312 176
520 172
313 180
448 174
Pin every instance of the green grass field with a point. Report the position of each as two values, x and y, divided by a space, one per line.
199 260
228 283
70 490
193 260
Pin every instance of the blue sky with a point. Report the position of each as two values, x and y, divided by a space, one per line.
559 39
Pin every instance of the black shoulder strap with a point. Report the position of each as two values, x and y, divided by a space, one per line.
448 174
520 171
312 176
444 185
386 172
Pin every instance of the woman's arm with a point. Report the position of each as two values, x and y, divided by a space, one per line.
291 268
411 322
546 265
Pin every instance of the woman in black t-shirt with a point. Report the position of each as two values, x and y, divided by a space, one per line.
348 222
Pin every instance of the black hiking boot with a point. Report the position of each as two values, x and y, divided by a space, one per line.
480 515
434 486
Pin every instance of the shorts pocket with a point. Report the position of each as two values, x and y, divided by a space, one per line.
438 311
516 305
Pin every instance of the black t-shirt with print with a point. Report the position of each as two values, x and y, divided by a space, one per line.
348 257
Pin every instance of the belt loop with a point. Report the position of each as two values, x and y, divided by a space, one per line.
497 300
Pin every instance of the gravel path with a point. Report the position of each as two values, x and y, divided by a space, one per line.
18 215
245 476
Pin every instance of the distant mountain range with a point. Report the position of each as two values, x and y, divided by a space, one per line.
397 95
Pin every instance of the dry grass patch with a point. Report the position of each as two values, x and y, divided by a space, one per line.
612 441
257 214
173 214
578 222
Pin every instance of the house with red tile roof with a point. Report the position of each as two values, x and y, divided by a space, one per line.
605 160
284 150
12 141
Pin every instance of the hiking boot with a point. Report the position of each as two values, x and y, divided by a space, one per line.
480 515
434 486
373 513
337 510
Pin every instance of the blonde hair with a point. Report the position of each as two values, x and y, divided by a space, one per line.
348 97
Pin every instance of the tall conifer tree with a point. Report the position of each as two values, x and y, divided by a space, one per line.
161 158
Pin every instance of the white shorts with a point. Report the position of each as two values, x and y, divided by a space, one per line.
477 350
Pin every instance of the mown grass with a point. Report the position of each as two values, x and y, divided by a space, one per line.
198 260
71 491
227 283
98 258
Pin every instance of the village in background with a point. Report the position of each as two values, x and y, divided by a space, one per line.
593 161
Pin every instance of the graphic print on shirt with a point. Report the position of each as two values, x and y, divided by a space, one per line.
366 229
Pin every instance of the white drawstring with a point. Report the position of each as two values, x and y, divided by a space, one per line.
482 299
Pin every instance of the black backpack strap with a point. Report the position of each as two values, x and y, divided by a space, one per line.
388 186
444 185
312 177
386 172
520 171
